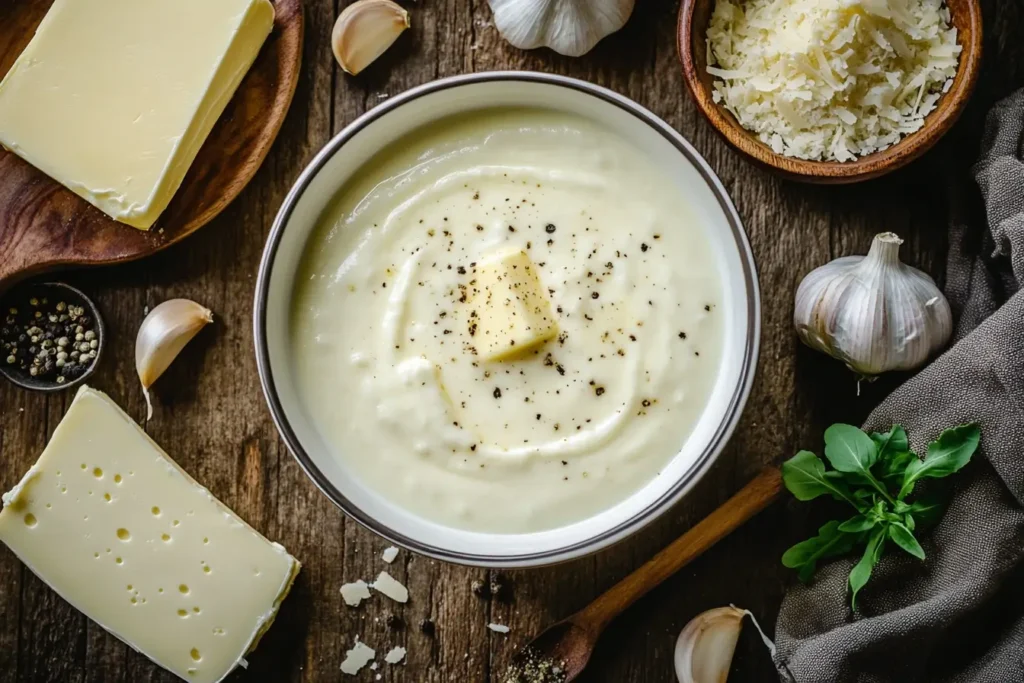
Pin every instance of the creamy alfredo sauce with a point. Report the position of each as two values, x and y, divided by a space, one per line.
386 362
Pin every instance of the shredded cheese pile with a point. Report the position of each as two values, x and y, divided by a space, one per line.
831 79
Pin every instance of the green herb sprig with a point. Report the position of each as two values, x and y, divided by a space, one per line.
876 474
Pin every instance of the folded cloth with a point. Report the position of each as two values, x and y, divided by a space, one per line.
958 615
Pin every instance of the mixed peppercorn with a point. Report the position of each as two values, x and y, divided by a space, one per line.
48 340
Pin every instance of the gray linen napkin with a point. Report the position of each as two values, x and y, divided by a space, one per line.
959 615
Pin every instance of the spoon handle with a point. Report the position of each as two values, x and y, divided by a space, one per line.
750 500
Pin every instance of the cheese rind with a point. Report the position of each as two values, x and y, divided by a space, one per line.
510 311
114 98
127 537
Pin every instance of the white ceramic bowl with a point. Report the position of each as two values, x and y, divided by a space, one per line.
353 147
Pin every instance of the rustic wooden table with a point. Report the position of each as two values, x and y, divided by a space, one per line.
210 413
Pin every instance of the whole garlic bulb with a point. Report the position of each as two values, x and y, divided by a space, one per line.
873 312
569 27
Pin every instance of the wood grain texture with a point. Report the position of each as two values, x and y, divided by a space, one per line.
694 16
44 226
211 417
571 641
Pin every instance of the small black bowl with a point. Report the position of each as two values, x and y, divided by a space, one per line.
48 295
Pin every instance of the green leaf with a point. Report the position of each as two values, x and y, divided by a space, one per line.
901 507
891 443
903 537
829 542
892 467
857 524
928 510
805 477
908 520
946 455
861 572
850 450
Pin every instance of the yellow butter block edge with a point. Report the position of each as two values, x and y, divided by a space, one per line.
225 79
10 502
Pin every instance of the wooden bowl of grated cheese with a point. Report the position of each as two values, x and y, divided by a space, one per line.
831 92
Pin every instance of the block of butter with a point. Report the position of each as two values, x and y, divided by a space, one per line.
113 525
510 311
114 98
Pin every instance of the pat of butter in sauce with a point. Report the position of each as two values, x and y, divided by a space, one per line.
387 365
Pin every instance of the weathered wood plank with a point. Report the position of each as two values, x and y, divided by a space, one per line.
210 413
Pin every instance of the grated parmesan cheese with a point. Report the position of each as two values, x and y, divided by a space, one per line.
355 593
359 656
831 79
390 587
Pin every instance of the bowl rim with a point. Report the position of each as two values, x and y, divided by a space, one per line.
654 508
908 149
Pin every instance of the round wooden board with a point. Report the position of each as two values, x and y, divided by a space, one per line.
43 226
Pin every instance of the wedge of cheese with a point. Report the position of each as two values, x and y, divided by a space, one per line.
114 98
113 525
509 309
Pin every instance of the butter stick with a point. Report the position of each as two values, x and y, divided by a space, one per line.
121 532
114 98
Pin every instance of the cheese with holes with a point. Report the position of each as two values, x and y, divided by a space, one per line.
510 310
114 98
127 537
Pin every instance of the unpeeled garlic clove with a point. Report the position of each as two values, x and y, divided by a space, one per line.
706 645
364 30
162 336
569 27
873 312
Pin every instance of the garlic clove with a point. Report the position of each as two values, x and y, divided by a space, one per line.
706 645
873 312
162 336
569 27
364 30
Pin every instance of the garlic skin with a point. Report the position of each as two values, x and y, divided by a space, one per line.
364 31
569 27
706 645
873 312
162 336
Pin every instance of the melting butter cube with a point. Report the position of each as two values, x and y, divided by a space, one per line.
510 311
127 537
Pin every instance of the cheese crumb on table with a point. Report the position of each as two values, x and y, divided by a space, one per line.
390 554
396 655
510 310
359 656
354 593
831 79
387 585
499 628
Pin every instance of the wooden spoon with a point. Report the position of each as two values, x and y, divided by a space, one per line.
570 642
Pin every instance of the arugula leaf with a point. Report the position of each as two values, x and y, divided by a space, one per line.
903 537
829 542
928 510
805 477
850 450
857 524
946 455
867 468
892 466
894 442
861 571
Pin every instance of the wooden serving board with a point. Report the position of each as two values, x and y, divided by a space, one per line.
43 226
